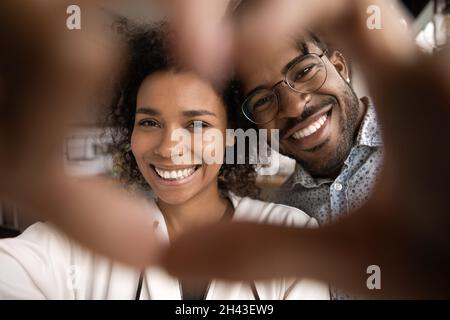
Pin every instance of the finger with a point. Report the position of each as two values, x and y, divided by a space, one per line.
339 255
48 78
232 251
245 251
100 215
203 37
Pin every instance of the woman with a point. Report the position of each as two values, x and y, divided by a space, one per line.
157 99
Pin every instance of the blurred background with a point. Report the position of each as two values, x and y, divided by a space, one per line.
87 146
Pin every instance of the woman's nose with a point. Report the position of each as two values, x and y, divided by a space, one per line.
172 143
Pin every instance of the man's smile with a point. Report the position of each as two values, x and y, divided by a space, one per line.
312 132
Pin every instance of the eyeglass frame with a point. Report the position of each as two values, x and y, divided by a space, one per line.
285 80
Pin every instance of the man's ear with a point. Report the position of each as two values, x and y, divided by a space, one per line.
341 65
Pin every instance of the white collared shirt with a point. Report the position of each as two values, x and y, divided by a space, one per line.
42 263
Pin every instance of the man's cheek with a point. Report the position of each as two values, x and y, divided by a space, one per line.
337 121
287 150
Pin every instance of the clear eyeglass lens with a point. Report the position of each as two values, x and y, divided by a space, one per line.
262 106
307 75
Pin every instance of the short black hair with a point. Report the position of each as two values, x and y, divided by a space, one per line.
237 8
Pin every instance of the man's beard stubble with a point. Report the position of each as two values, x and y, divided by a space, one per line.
332 164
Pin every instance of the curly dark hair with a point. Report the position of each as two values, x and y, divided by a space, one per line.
148 52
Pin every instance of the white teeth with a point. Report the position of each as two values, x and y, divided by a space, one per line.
313 127
175 174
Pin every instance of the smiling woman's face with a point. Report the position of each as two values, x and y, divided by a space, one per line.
168 101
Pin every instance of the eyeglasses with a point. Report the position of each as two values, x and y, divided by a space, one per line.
306 75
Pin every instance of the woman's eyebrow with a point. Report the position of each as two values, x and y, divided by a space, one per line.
196 113
149 111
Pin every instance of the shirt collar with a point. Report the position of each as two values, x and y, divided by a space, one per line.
369 135
370 132
302 177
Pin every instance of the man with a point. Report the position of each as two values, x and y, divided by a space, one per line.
303 89
333 135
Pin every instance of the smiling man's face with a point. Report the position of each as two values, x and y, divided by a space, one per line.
317 129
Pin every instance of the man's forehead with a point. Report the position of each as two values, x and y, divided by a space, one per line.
259 66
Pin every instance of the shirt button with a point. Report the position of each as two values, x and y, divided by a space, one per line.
337 186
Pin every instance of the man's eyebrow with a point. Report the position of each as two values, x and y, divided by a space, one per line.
149 111
256 89
196 113
303 47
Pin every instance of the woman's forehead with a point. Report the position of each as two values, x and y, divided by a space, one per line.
171 91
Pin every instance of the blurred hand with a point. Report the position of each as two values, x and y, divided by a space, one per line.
47 75
404 227
203 35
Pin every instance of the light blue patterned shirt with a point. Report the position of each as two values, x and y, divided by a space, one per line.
328 199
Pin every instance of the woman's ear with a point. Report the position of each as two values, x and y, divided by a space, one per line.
340 64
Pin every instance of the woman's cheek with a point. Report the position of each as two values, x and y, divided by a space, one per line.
142 145
135 145
213 147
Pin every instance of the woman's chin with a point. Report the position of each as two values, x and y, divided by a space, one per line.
173 198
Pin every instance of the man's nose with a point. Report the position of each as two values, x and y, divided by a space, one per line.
291 103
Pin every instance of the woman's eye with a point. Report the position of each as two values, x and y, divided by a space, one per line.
148 123
197 125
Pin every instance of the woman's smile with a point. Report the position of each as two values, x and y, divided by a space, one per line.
174 176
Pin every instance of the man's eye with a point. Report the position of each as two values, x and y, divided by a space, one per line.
304 72
148 123
262 102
